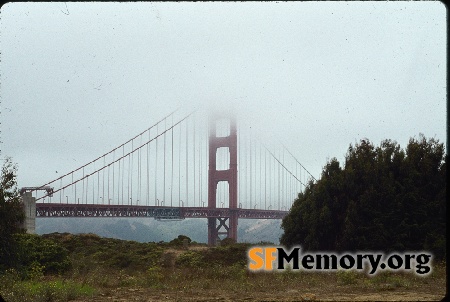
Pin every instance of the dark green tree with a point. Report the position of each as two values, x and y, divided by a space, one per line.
384 198
11 215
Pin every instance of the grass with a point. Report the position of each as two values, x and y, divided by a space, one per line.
101 266
48 290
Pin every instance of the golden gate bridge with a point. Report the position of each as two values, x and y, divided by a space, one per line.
191 165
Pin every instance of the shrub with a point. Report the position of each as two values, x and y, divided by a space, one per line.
154 275
346 277
179 241
227 241
39 255
190 259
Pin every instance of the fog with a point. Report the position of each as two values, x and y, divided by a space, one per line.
79 79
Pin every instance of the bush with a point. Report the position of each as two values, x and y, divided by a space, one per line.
41 256
179 241
227 241
190 259
227 255
154 275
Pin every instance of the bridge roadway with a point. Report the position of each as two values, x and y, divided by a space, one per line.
158 212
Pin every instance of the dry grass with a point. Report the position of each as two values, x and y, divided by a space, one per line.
122 271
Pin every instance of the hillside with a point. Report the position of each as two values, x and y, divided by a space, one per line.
93 268
151 230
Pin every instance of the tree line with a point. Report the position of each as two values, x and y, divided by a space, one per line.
384 198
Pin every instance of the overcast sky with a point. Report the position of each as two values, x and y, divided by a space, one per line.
78 79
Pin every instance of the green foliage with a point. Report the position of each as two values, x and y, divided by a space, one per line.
180 240
218 270
384 198
108 252
191 259
227 255
57 290
388 281
154 275
346 277
227 241
40 256
11 215
35 271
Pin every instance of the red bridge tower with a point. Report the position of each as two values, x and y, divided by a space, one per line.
227 225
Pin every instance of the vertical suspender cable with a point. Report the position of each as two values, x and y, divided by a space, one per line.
128 180
187 158
171 166
108 184
87 185
147 200
247 174
103 179
82 192
156 166
60 199
283 182
179 168
131 156
138 193
260 175
300 174
293 189
113 184
118 186
164 179
75 189
271 180
98 187
265 179
193 155
200 168
279 187
283 200
239 165
251 173
123 171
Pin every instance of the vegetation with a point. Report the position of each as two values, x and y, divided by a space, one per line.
105 269
383 199
11 215
37 254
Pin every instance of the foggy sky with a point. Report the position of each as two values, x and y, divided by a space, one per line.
78 79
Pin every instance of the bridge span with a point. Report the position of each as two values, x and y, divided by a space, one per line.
191 165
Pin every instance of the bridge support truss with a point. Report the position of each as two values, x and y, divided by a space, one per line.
228 224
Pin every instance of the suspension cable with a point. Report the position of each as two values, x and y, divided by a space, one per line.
125 155
111 150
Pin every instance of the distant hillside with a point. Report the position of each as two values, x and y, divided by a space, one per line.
151 230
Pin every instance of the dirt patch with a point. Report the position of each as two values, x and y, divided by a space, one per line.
140 294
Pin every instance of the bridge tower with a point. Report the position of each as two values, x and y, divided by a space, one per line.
227 225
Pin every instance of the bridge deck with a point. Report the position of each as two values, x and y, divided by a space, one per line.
47 210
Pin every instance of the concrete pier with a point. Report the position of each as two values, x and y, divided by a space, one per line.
29 204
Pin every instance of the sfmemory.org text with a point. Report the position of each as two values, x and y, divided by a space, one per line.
278 258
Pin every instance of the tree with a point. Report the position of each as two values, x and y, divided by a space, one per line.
11 215
384 198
